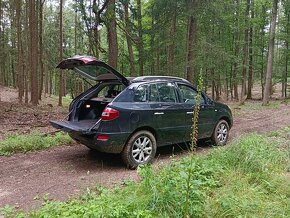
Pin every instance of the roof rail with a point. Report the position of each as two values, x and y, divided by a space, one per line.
149 78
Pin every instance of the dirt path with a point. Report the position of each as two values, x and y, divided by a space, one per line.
66 171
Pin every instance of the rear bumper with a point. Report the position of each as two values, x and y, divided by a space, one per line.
114 144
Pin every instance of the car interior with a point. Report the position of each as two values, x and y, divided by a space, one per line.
92 108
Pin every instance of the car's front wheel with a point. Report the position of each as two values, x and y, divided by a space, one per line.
140 149
221 133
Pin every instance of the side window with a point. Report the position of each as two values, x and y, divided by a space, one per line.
141 93
126 96
153 93
163 92
188 94
110 91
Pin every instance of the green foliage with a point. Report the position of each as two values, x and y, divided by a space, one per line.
246 179
255 106
252 155
252 183
31 142
66 100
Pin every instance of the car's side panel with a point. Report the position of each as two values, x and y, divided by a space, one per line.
169 119
206 120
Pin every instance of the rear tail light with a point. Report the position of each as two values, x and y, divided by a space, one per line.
110 114
102 138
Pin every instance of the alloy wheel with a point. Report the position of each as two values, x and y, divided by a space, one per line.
142 149
222 133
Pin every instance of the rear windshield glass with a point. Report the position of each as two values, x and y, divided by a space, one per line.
92 71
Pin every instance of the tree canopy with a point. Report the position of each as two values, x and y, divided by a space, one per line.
227 39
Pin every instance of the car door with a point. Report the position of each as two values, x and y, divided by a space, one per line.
166 112
206 114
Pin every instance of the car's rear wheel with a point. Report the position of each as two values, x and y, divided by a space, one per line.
140 149
221 133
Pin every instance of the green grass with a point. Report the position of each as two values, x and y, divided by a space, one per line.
66 100
248 178
31 142
253 106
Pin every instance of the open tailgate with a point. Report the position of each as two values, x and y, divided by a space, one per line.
84 126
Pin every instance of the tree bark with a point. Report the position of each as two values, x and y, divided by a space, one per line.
171 46
129 41
191 41
236 50
95 28
33 52
268 82
40 60
20 80
60 94
285 74
1 42
246 53
251 67
140 40
112 35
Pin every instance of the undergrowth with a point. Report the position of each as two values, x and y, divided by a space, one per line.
31 142
248 178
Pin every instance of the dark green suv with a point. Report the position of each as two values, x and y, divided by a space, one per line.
135 116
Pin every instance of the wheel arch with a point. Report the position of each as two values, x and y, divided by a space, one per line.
147 128
227 119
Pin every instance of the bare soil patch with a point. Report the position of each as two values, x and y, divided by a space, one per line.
22 119
66 171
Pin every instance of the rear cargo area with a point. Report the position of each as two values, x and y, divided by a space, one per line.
86 112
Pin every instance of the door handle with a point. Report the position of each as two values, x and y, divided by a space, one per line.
158 113
189 112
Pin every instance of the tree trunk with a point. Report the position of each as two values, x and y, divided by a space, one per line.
20 79
152 44
236 49
191 42
212 85
26 66
46 79
140 40
246 53
129 41
1 42
267 88
262 49
171 46
95 28
112 35
60 94
285 74
41 3
33 52
251 69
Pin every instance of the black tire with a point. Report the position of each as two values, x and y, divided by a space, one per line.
220 134
139 150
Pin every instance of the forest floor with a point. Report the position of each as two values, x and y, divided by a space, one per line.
66 171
